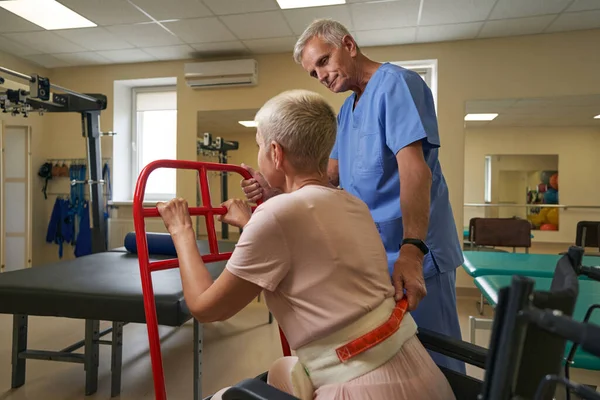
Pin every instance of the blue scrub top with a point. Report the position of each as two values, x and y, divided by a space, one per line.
395 110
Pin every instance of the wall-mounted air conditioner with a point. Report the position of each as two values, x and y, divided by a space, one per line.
215 74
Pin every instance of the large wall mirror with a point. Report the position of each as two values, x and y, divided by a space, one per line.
534 159
232 141
516 182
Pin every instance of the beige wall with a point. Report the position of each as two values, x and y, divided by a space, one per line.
534 66
578 166
522 162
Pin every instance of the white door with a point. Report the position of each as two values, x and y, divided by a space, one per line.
16 198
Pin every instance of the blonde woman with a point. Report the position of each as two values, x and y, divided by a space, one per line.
315 252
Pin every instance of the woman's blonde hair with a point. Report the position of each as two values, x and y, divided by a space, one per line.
305 126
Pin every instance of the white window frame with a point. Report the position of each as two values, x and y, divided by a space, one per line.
136 140
428 68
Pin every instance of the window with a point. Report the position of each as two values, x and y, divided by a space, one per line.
427 69
487 197
154 136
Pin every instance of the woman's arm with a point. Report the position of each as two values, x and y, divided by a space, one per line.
207 301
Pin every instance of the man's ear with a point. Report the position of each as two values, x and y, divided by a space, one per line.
349 44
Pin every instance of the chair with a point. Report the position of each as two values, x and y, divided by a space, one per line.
588 236
525 355
500 232
503 232
520 353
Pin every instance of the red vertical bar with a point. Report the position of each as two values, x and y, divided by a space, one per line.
285 347
147 289
154 339
142 245
206 202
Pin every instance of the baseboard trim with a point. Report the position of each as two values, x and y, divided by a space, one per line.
467 292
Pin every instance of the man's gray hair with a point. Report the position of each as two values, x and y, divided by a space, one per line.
329 30
305 126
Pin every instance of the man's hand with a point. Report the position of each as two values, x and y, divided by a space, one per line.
175 215
257 187
408 274
333 172
238 213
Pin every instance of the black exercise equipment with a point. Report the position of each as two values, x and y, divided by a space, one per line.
530 331
40 98
219 146
97 287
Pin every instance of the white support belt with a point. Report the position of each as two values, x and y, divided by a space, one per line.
322 364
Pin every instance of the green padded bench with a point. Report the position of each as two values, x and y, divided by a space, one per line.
589 294
479 263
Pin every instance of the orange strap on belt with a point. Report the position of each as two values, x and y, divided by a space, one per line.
376 336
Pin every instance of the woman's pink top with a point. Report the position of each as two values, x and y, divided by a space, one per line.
319 257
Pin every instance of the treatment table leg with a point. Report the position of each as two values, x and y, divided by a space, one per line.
198 336
92 338
478 323
19 345
116 358
481 303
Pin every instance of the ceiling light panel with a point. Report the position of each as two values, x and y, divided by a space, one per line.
48 14
288 4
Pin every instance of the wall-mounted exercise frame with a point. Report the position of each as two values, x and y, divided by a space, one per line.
42 96
220 147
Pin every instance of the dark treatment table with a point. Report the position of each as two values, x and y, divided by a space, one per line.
98 287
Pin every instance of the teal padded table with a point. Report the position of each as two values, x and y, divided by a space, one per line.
589 294
479 263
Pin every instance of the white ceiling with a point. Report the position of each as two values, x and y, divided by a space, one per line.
150 30
561 111
224 123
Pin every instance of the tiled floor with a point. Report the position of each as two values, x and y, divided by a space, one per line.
241 347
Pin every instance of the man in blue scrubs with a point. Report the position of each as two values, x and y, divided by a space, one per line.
386 153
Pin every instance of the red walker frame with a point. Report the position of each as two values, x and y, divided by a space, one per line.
147 267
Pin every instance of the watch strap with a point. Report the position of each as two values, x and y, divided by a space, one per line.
416 242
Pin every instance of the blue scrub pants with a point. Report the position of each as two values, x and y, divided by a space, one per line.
437 312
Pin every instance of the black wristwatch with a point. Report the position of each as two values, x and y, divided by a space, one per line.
416 242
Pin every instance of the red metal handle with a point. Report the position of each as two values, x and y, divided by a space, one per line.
207 210
147 267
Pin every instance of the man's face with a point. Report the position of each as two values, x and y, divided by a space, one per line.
331 65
